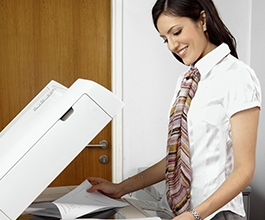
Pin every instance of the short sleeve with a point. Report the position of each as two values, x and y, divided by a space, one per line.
242 92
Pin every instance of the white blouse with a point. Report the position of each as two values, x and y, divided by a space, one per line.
227 86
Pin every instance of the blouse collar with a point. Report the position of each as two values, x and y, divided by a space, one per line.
206 63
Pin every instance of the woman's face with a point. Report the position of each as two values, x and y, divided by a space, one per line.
185 37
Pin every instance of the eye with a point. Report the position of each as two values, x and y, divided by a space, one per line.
165 41
177 32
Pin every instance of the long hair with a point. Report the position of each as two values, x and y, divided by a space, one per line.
218 33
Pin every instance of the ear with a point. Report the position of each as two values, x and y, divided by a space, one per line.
203 20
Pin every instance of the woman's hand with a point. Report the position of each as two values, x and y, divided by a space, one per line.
148 177
108 188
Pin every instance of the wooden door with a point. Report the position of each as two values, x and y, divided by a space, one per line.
62 40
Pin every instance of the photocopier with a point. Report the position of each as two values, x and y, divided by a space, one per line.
46 136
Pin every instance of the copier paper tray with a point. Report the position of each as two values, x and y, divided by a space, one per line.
58 123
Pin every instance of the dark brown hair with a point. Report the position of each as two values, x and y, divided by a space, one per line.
218 33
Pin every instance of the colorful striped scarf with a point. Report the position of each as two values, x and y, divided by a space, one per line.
178 170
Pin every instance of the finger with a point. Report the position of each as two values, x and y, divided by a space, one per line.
91 189
94 180
94 188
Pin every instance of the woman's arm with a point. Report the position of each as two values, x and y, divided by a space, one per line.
150 176
244 127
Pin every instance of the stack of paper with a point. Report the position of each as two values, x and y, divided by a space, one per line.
75 204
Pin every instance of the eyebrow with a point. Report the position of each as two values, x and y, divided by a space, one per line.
169 30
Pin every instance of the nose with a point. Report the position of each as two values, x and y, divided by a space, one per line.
172 45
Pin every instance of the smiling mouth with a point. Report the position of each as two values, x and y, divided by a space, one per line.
182 51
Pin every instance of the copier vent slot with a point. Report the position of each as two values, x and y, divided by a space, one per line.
67 114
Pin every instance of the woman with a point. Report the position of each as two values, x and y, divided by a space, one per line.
214 160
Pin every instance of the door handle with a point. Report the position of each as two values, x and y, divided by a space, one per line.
102 144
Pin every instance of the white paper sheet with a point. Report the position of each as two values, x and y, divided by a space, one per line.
76 203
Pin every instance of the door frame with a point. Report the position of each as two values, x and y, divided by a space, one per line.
117 85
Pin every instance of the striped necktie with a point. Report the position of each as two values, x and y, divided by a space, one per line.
178 170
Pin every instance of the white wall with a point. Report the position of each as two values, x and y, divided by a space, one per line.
236 15
257 63
149 77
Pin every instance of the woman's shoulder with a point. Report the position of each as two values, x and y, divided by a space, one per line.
240 85
235 66
236 70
